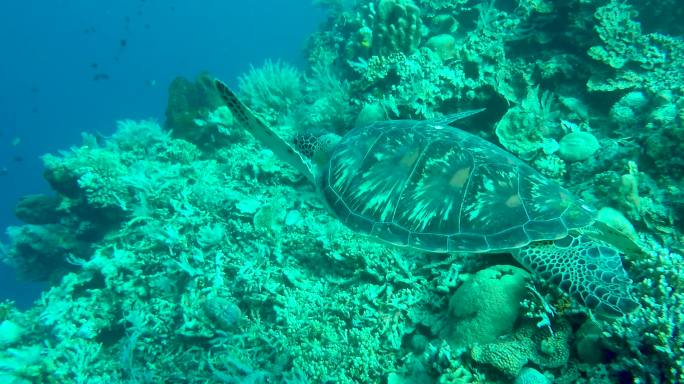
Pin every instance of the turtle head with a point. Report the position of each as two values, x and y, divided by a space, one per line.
316 147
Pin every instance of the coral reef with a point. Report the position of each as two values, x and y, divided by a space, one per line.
195 112
187 253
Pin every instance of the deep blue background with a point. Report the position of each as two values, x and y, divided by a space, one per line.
50 48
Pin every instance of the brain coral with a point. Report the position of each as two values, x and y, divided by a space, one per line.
528 344
487 305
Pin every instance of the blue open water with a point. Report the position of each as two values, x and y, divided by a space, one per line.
71 66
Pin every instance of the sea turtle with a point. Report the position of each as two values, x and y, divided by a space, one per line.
436 188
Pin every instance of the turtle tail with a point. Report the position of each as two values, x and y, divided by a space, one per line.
589 270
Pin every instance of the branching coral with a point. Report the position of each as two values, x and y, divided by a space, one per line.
653 335
653 61
422 85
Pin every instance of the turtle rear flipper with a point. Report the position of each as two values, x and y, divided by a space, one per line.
262 132
589 270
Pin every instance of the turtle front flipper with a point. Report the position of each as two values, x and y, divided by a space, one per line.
262 132
589 270
450 118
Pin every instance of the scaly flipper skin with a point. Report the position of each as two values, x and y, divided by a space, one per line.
590 270
262 132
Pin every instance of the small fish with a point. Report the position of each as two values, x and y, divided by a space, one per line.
100 76
18 158
16 141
